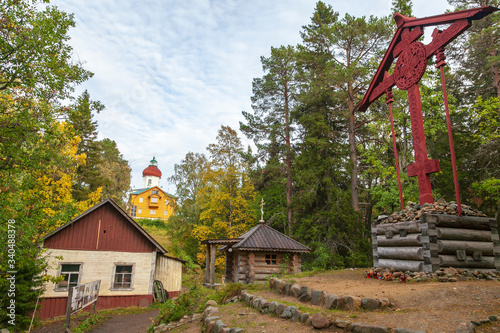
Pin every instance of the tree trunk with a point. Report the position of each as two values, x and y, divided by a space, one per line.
354 157
288 163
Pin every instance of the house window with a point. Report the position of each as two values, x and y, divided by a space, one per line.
152 212
271 259
140 200
154 200
140 211
133 211
122 277
166 202
165 213
71 276
155 191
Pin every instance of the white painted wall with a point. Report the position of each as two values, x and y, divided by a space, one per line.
169 272
100 265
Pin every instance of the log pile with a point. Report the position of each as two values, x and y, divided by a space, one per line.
414 211
435 241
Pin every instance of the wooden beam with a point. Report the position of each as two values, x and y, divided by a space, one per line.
207 265
212 265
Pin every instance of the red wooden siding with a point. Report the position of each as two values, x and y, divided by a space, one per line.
56 306
115 234
52 307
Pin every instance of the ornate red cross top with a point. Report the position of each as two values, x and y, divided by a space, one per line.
410 67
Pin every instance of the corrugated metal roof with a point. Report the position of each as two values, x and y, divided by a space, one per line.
117 209
265 238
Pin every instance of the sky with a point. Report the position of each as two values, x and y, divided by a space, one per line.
171 72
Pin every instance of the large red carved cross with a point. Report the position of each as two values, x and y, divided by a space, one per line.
409 69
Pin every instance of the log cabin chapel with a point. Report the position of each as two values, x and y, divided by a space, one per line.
255 255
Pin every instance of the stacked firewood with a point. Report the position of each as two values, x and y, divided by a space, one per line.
414 211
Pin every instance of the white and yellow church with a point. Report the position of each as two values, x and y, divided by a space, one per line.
151 201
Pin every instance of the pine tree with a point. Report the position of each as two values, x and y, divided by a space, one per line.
271 125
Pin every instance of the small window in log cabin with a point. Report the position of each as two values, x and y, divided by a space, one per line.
271 259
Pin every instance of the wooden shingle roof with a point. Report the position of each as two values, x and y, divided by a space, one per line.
264 238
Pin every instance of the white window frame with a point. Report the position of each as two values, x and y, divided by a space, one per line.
131 276
140 200
154 200
165 213
139 211
152 212
133 211
58 287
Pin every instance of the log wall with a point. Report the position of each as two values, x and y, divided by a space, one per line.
251 267
437 241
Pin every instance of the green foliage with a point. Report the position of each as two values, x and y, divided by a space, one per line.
186 304
88 323
226 292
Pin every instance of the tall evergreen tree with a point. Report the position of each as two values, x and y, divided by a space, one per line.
349 47
271 125
80 116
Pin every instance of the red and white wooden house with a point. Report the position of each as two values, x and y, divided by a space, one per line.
104 243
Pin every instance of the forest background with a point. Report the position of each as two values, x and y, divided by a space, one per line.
324 170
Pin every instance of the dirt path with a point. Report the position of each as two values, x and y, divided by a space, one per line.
132 322
136 323
429 306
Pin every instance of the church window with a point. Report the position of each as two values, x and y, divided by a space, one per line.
271 259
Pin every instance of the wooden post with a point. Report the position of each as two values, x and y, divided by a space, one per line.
68 308
212 265
207 265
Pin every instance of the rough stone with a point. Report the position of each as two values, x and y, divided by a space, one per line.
330 301
303 317
349 303
295 290
296 313
236 330
257 302
407 330
280 308
210 303
465 328
319 321
370 304
277 285
249 299
209 311
305 294
218 325
342 323
384 303
318 297
281 287
272 283
368 328
288 312
272 307
287 288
